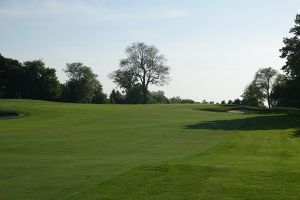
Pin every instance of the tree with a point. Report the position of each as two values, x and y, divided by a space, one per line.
237 102
82 85
282 91
187 101
31 80
40 82
175 100
223 102
11 76
291 51
135 95
116 97
264 79
143 66
99 97
253 95
158 97
290 95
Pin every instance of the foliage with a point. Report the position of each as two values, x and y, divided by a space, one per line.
116 97
289 94
175 100
261 88
264 79
31 80
143 66
82 86
253 96
135 95
291 51
40 82
158 97
237 102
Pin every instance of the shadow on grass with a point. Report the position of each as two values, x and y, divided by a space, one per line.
296 134
266 122
9 115
251 110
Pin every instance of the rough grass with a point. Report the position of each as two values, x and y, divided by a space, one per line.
77 151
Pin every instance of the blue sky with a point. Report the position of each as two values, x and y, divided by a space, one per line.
213 47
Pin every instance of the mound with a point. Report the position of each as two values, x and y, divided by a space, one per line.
241 111
8 114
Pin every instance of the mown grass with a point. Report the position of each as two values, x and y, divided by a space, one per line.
78 151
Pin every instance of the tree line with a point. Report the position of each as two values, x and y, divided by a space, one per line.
143 66
278 89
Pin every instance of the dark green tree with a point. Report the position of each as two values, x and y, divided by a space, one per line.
158 97
40 82
135 95
253 96
82 85
264 80
289 94
99 96
237 102
175 100
291 51
11 78
32 80
116 97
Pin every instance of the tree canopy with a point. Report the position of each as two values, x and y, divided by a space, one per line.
82 85
144 66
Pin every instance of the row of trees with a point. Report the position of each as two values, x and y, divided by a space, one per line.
274 88
32 80
136 96
143 66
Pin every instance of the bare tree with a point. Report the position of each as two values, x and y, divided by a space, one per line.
143 66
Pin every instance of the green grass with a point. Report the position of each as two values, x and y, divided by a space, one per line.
136 152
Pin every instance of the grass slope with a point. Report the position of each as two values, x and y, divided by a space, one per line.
77 151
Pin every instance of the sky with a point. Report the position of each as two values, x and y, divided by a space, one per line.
213 47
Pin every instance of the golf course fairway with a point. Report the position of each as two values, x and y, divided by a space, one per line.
153 152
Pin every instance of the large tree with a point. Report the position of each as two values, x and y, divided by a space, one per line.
31 80
11 76
40 82
289 94
261 88
143 66
291 51
82 85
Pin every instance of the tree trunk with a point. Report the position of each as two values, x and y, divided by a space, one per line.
269 101
145 95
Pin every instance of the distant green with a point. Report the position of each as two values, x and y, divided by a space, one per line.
136 152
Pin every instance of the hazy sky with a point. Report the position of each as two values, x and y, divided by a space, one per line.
213 47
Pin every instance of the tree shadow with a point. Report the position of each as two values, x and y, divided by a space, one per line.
265 122
296 134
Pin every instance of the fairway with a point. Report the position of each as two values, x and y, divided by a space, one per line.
111 152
